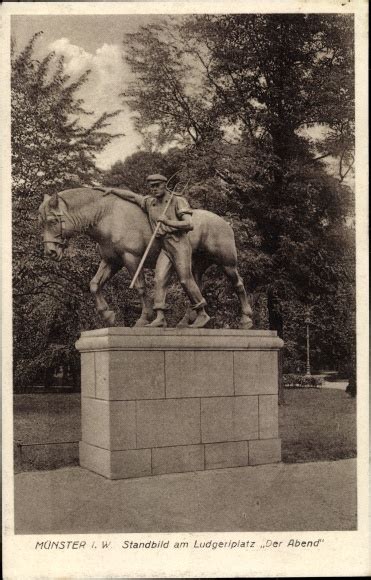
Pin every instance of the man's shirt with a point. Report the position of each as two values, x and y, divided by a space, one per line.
154 208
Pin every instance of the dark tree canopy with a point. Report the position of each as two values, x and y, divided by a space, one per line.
240 95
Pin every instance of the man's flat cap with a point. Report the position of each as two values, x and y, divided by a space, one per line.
156 178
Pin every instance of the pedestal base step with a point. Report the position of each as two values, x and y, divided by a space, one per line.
179 459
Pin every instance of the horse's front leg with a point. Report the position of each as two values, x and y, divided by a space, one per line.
104 273
199 266
132 262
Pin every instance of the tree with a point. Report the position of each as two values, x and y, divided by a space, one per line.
165 96
132 172
51 150
238 93
277 74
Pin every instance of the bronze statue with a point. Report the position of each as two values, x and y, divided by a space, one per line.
123 231
170 216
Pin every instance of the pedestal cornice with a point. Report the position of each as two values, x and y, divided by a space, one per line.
120 338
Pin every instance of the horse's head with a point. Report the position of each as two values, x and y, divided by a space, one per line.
53 221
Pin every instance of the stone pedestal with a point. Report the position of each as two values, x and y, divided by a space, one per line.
165 401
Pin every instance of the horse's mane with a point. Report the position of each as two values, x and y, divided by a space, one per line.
76 199
79 196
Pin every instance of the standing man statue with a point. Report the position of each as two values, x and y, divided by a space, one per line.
176 249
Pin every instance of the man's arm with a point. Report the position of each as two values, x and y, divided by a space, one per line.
183 224
125 194
183 212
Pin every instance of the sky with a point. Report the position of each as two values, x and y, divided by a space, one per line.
91 42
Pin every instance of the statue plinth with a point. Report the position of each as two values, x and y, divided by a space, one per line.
167 401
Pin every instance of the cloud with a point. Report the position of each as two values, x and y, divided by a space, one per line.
110 74
77 60
109 77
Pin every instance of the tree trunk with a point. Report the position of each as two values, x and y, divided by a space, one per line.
48 377
276 323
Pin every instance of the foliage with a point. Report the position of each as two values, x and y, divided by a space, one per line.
238 94
301 381
132 172
165 96
265 76
51 150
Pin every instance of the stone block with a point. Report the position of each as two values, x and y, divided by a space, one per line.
88 374
168 422
131 463
264 451
110 425
268 416
95 424
229 419
102 376
232 454
95 458
256 372
130 375
177 459
198 373
116 464
123 425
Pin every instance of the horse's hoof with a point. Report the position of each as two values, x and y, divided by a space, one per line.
157 324
189 317
200 322
141 322
109 316
246 324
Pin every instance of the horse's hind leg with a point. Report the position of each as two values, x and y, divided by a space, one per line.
105 271
237 283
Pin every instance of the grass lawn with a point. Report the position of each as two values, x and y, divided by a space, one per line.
47 418
315 424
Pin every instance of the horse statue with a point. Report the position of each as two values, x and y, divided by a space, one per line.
122 231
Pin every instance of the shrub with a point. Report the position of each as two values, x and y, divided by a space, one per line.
301 381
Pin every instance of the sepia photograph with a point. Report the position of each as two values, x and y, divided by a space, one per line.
185 303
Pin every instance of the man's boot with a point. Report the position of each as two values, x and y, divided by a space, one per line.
202 318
